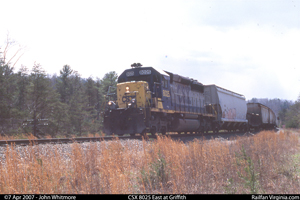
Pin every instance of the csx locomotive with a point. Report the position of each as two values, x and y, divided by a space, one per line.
150 100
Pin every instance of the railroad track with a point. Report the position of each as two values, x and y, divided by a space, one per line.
95 139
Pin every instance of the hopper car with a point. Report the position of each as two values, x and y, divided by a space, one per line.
260 117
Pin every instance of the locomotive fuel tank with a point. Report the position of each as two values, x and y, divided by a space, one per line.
185 125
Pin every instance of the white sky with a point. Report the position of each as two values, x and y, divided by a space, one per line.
249 47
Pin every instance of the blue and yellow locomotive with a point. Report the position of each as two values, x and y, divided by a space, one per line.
156 101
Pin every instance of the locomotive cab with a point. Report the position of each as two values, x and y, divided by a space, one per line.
154 78
138 90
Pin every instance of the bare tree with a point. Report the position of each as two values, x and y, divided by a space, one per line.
8 45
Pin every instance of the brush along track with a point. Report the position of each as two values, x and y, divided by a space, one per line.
95 139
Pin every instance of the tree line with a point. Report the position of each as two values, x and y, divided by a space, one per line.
32 101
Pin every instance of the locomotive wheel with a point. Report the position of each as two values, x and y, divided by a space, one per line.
153 130
163 131
144 133
216 130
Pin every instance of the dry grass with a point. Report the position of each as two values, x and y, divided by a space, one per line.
29 136
265 163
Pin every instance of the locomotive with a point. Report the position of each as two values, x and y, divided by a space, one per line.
150 100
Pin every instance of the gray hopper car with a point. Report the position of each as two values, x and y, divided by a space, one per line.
260 116
230 108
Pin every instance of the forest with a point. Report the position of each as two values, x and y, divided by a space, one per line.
32 101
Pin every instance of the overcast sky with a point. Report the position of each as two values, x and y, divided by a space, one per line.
249 47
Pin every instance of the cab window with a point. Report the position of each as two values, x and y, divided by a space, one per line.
164 82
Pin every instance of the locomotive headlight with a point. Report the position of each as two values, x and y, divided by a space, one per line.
127 89
111 103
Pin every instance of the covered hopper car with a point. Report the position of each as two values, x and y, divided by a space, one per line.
260 116
230 108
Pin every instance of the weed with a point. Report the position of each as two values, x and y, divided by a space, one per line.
157 175
229 187
249 174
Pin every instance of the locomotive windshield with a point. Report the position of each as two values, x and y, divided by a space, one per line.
155 78
152 76
136 78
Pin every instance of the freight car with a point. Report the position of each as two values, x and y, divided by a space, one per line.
230 108
156 101
260 117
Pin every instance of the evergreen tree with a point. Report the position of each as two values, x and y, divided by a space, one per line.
92 93
64 86
58 118
77 106
22 90
41 98
293 115
99 97
7 93
109 80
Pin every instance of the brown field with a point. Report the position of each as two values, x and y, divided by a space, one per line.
268 162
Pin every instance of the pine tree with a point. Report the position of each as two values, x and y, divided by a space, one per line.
293 115
41 98
109 80
22 91
78 105
64 86
91 92
7 93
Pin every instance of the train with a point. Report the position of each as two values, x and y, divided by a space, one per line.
150 100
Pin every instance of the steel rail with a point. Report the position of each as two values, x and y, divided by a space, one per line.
45 141
94 139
